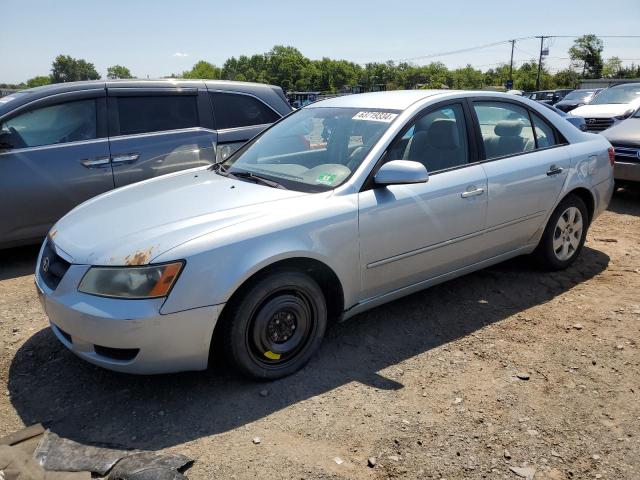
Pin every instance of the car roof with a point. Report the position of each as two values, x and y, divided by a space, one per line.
393 100
23 97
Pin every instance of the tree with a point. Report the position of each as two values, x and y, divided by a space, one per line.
587 53
567 78
68 69
203 70
612 68
38 81
118 71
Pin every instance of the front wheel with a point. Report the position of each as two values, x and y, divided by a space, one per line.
276 325
564 235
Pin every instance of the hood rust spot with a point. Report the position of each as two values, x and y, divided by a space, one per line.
141 257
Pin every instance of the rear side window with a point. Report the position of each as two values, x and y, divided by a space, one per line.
545 134
232 110
505 128
151 113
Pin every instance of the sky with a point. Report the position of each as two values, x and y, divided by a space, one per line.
158 37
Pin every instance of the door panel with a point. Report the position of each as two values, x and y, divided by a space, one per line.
521 194
138 157
39 185
409 233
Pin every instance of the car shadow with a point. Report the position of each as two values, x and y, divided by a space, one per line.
626 200
88 404
17 262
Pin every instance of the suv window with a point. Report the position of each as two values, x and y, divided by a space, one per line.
438 140
155 113
505 128
233 110
61 123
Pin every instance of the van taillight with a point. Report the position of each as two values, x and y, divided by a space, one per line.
612 156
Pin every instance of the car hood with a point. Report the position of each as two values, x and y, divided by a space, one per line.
626 132
606 110
134 224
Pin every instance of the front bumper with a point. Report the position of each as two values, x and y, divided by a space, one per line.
628 171
130 336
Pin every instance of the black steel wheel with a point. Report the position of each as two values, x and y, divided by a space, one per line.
276 325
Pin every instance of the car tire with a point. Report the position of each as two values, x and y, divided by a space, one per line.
275 325
564 235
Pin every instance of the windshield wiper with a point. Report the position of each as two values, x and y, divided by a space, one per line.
218 167
256 178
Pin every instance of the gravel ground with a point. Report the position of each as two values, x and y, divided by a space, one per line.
505 372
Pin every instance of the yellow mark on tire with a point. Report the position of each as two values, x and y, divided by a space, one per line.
272 356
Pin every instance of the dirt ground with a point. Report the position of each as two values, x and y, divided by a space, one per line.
506 368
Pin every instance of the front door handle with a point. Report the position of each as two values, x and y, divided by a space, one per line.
124 158
95 162
553 170
472 192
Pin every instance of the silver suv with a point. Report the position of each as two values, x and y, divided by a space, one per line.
63 144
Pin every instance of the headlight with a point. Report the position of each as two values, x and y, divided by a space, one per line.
151 281
626 114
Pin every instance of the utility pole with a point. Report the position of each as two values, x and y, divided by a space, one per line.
540 61
513 44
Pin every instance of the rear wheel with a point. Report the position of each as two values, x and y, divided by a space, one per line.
564 235
276 326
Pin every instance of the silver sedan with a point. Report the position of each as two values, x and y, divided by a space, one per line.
337 208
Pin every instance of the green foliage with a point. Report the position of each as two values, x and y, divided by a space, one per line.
586 52
118 71
68 69
38 81
204 70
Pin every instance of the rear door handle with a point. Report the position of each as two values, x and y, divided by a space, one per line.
553 170
124 158
96 162
472 192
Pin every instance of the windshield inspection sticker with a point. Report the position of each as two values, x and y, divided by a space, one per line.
326 178
384 117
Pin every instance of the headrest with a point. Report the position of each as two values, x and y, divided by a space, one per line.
443 133
508 128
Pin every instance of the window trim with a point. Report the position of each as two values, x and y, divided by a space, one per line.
246 94
561 141
97 95
113 108
474 154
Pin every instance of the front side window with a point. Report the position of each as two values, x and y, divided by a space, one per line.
232 110
62 123
314 149
505 129
438 140
157 113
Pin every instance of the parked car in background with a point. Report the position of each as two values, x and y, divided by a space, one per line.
389 193
577 98
610 106
549 96
625 138
63 144
576 121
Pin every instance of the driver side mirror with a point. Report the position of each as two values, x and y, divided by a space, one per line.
399 172
5 141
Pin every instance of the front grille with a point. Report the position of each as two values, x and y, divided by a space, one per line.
52 266
598 124
627 154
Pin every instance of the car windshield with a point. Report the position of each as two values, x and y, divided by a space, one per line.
622 94
313 149
578 94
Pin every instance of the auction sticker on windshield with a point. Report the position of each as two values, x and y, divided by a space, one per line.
385 117
326 178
